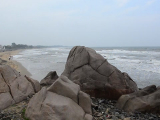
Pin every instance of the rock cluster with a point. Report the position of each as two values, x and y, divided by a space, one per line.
95 75
145 100
63 100
13 87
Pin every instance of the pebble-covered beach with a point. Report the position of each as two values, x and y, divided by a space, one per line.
106 110
102 110
15 112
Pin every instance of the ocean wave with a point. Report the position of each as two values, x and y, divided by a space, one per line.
140 65
117 51
59 49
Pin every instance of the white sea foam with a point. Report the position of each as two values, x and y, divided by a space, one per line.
129 52
59 49
155 62
17 56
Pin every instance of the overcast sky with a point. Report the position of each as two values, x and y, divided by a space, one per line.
80 22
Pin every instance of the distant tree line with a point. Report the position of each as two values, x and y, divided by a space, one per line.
15 46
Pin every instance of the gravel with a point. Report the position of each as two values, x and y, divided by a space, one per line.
106 110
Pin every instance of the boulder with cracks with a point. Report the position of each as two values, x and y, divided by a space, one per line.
95 75
63 100
13 87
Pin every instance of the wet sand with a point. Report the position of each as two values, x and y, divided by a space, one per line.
14 64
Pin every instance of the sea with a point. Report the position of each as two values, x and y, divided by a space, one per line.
141 63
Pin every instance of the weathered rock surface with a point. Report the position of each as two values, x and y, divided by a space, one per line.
34 83
60 102
95 75
145 100
66 88
13 87
50 78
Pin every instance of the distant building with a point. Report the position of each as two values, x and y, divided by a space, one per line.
2 48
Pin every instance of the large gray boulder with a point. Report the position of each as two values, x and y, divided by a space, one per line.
145 100
60 102
13 87
95 75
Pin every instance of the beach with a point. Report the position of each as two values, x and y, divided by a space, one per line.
13 63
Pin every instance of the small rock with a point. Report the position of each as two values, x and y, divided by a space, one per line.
101 101
114 118
108 116
122 117
151 118
112 107
116 113
107 110
98 114
127 118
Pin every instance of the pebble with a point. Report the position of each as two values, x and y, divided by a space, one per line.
116 113
127 118
151 118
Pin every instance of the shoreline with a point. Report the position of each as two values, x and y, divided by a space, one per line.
13 63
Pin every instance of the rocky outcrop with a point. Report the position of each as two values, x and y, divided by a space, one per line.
95 75
63 100
50 78
13 87
145 100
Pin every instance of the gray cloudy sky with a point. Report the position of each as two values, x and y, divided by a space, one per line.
80 22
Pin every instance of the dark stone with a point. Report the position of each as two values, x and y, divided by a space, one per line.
50 78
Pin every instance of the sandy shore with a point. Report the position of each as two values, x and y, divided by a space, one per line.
14 64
